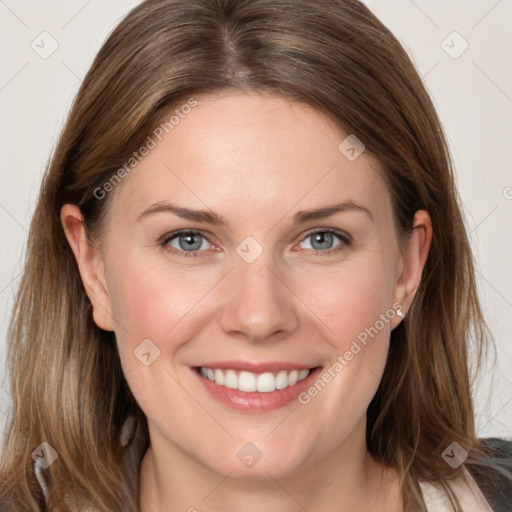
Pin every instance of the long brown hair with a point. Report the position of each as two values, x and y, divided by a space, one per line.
67 382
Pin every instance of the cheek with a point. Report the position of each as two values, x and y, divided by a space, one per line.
348 300
153 307
149 300
355 309
154 302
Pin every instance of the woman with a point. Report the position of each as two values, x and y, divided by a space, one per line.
248 282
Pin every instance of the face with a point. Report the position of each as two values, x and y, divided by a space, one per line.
258 290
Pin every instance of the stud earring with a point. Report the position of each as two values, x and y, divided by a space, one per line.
400 313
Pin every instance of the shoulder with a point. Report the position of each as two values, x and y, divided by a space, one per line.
499 448
493 474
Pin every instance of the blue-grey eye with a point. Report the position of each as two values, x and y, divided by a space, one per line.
321 240
188 241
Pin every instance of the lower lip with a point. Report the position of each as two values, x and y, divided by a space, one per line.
257 401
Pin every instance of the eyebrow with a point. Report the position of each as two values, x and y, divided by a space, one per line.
327 211
210 217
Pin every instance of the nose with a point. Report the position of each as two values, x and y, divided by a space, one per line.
258 303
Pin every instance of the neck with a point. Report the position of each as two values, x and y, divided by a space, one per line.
347 479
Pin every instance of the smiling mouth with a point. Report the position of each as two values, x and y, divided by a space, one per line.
248 382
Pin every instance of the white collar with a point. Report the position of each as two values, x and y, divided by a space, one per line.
465 488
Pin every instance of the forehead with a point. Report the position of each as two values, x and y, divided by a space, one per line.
248 154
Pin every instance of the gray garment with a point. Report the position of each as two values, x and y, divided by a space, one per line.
494 476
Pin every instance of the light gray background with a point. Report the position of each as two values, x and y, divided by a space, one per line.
473 95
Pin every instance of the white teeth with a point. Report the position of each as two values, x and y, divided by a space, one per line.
282 379
246 381
249 382
230 379
303 374
265 383
219 377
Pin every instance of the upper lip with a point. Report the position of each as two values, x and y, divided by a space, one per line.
253 367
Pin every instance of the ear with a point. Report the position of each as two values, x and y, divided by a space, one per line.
414 257
90 265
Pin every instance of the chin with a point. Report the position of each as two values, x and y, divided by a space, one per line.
249 463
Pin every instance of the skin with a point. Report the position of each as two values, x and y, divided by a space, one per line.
256 161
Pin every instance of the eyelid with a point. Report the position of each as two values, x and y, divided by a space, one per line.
173 234
345 237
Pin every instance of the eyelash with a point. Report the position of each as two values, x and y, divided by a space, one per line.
344 238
